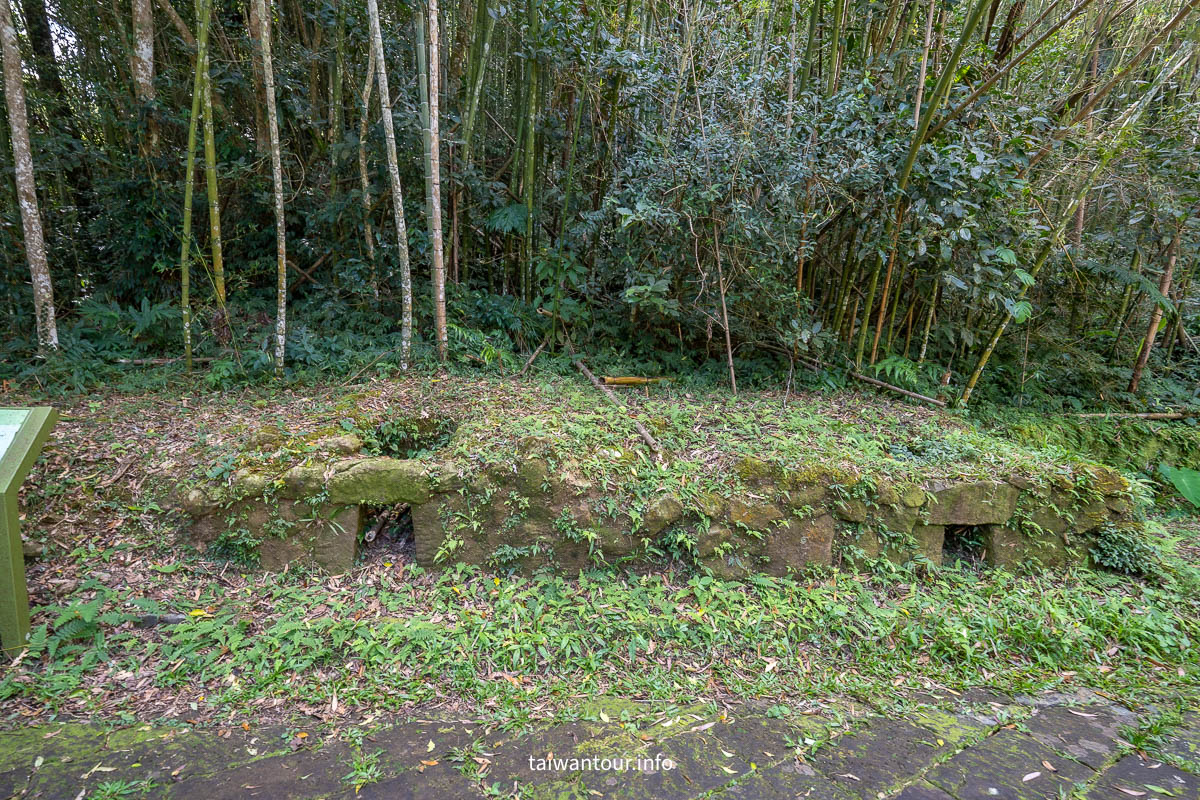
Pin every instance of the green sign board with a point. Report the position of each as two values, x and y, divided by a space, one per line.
23 431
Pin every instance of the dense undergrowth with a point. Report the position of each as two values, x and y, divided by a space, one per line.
389 635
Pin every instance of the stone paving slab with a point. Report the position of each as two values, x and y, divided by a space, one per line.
870 761
1008 766
1154 779
1088 734
950 748
1185 746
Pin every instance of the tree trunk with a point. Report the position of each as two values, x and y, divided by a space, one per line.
364 179
268 72
185 248
221 326
1164 288
433 166
31 220
389 134
143 66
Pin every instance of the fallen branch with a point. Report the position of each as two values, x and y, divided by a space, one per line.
859 376
156 362
612 398
1167 415
532 358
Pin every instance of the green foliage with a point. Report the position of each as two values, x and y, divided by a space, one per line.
1125 549
1186 481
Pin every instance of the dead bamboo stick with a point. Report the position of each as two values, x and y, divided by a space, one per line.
612 398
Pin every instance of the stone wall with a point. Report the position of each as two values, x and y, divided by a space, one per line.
538 509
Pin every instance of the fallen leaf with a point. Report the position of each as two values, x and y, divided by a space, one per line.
1049 766
1031 776
1131 792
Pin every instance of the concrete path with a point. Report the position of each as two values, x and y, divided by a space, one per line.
981 745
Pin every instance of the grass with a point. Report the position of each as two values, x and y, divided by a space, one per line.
392 639
389 636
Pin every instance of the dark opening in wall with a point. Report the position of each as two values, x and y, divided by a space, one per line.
963 543
387 532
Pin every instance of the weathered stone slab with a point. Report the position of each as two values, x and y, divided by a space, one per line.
923 791
786 781
559 753
756 739
877 758
1133 777
800 543
325 535
1003 546
379 481
439 782
1088 734
663 511
405 746
953 729
982 503
1004 766
699 766
1184 743
299 776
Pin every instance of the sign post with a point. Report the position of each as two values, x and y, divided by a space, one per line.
23 431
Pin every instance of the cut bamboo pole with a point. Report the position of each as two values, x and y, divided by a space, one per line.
612 398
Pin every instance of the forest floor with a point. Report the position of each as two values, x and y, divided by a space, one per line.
132 625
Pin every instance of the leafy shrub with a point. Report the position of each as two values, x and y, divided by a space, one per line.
1126 550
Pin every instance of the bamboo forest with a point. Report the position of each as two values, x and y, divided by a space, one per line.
992 199
672 399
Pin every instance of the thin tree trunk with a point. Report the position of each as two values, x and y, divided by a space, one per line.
924 64
264 22
368 233
210 173
143 65
1164 288
940 91
389 134
31 220
530 156
477 72
433 165
180 26
185 247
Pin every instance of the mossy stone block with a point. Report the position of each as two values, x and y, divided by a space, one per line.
851 510
800 543
663 511
303 481
533 477
1003 546
380 481
755 516
980 503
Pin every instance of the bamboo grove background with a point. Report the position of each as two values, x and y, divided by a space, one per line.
996 197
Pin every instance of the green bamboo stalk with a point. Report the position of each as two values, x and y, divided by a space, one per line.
185 247
210 174
891 231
